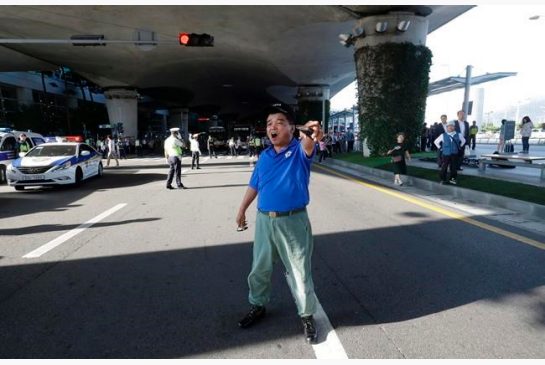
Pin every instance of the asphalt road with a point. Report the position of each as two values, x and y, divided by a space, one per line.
164 276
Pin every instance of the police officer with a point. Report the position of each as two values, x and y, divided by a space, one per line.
173 154
24 144
280 182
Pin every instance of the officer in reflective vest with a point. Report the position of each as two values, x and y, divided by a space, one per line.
173 154
24 144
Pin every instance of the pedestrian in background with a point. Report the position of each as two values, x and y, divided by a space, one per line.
450 144
251 146
350 140
501 141
323 149
462 127
232 148
195 150
473 130
211 147
526 133
23 146
113 150
439 130
258 146
400 155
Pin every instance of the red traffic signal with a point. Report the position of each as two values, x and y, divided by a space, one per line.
196 40
184 39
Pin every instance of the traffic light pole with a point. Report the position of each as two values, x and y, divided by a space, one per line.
83 42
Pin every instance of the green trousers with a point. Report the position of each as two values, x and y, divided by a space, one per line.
290 239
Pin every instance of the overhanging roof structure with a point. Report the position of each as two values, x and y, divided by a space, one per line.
453 83
261 53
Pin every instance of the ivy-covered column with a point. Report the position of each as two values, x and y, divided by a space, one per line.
392 65
313 104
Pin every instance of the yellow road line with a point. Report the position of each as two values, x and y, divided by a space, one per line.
435 208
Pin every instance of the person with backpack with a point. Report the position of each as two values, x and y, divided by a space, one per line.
449 143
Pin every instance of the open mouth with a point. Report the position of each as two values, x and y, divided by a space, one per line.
273 135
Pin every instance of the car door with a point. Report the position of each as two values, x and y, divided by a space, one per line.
89 162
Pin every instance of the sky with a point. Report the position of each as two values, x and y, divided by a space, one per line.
491 38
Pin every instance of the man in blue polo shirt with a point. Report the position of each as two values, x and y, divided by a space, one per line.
280 182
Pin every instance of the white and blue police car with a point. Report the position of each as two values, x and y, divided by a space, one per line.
55 164
8 147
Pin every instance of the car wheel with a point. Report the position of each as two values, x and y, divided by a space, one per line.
3 174
79 176
19 188
100 170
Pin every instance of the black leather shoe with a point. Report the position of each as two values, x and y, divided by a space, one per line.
181 186
255 314
169 187
310 330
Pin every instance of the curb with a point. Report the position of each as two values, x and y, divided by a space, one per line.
519 206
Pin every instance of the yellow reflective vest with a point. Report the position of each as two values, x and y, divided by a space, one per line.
173 147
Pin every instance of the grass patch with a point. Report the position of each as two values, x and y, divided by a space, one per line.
525 192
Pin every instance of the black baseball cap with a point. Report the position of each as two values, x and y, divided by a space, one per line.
280 108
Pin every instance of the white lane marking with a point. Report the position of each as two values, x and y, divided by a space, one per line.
205 159
329 346
229 157
240 157
65 237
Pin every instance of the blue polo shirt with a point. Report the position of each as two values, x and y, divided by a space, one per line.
281 179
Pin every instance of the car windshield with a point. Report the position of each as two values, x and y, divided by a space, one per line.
51 151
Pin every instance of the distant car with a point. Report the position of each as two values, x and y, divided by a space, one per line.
55 164
8 147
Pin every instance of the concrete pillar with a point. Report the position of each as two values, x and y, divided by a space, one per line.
180 118
390 54
313 104
122 106
416 32
24 96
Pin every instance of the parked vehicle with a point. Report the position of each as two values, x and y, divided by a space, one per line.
8 147
55 164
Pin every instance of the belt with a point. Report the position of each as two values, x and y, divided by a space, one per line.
282 214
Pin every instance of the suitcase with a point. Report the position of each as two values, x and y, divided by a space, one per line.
509 148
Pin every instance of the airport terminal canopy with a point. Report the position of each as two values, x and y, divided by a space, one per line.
261 54
453 83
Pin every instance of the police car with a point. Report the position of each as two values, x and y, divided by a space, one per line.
55 164
8 147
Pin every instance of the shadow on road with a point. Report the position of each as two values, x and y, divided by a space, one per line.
49 199
42 228
186 303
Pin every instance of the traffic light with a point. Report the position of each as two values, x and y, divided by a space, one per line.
196 40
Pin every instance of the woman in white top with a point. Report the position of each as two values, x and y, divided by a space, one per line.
526 133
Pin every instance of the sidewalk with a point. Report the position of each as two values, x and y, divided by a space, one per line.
518 174
446 193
